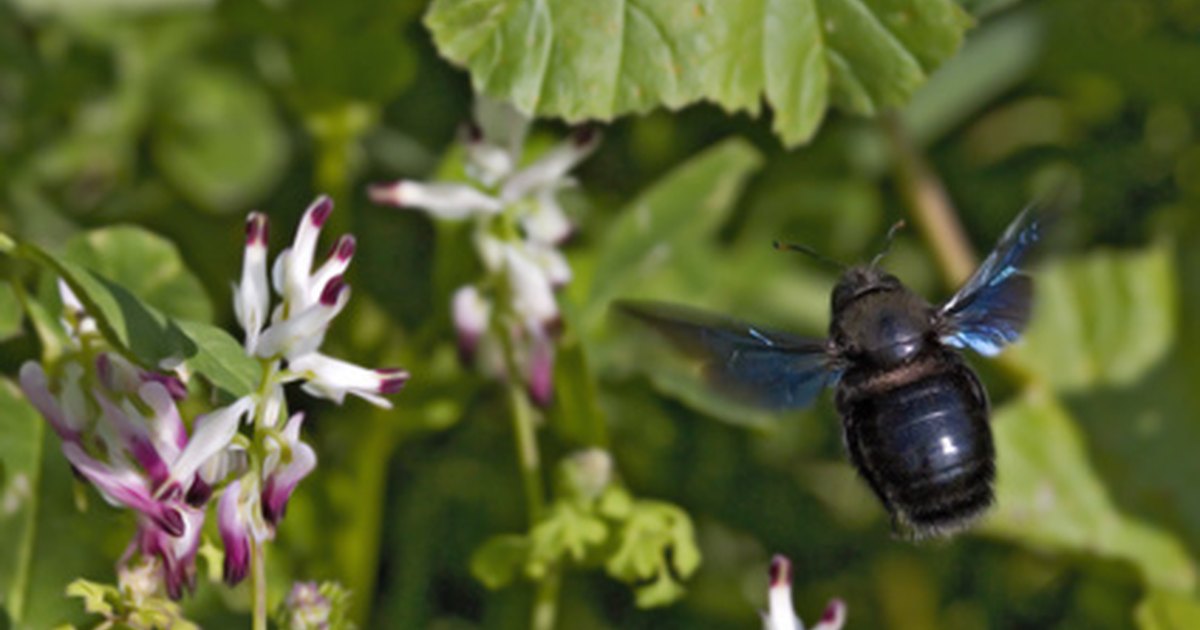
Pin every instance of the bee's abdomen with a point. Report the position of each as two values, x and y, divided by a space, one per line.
919 435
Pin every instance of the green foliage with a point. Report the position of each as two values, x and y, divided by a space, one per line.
649 545
121 607
219 140
1049 496
1109 317
39 510
600 60
10 312
1167 610
141 331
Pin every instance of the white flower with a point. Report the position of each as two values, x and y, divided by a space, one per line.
519 225
781 616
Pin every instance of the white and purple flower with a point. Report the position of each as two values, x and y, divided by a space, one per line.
780 615
519 227
125 439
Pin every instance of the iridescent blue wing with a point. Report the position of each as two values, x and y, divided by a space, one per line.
751 364
993 307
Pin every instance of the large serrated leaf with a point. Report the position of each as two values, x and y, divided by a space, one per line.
601 59
1049 496
1102 319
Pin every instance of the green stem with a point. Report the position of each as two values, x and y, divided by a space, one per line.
527 452
545 602
258 569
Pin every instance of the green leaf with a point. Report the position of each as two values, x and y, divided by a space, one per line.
10 312
1165 610
1105 318
568 531
221 359
576 411
500 559
1049 496
656 543
37 513
683 208
151 338
96 597
146 264
598 60
220 141
20 454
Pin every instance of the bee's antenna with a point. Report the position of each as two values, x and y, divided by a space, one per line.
804 249
887 243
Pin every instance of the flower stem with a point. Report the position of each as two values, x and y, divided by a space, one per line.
527 452
545 602
258 561
930 206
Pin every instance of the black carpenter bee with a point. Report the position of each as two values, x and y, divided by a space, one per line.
914 414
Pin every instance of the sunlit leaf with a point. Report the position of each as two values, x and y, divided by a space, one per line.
686 206
598 60
1049 496
146 264
1104 318
148 336
500 559
1166 610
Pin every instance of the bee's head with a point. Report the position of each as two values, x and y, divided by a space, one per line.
858 281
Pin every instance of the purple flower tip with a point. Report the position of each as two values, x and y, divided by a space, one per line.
199 493
333 289
237 562
256 229
584 136
832 610
474 132
394 383
344 248
321 209
171 521
781 571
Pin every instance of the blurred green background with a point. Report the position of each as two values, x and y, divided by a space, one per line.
182 115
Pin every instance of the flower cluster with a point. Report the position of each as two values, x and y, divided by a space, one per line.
122 431
519 225
287 345
781 616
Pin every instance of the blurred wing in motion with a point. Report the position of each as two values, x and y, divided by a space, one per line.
760 367
993 307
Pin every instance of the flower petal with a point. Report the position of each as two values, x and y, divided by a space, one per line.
442 200
834 616
35 386
212 433
330 378
780 614
135 436
251 297
235 536
304 331
335 265
472 313
121 486
170 436
533 294
552 167
546 222
283 479
296 281
540 376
